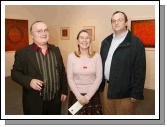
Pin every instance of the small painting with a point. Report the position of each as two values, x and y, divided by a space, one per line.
91 31
65 33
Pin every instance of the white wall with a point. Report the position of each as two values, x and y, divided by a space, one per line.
150 68
76 17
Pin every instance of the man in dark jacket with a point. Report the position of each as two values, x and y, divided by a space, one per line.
39 69
124 65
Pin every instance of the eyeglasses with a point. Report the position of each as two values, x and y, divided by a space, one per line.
119 20
41 31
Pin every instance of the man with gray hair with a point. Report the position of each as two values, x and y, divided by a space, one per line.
39 69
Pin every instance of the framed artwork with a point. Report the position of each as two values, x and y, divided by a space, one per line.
16 34
65 33
91 31
145 30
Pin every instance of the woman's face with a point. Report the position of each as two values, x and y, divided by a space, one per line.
84 40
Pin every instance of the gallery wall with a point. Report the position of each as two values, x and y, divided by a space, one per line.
76 18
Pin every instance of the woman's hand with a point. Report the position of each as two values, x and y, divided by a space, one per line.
82 100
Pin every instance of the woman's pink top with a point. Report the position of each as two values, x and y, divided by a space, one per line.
84 74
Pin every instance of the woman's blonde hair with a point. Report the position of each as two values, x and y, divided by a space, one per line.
91 53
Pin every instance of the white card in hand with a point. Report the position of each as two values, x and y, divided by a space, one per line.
75 108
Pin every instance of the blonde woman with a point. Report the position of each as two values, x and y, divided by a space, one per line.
84 73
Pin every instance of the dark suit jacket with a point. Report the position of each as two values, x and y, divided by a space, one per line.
25 69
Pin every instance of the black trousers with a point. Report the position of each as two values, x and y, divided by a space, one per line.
52 107
37 106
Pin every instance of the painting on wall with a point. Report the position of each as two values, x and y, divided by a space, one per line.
65 33
145 30
91 31
16 34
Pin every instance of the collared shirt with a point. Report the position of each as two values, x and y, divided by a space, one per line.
116 41
36 48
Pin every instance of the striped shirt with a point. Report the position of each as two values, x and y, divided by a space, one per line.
48 68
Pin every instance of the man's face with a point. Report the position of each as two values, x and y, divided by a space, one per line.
118 22
40 34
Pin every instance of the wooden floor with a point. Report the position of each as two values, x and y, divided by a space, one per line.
13 100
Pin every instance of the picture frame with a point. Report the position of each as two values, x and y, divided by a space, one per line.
16 34
91 31
65 33
145 30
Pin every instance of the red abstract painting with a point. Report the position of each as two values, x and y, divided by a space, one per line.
16 34
145 30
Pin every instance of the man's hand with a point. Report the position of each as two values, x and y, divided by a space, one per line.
63 97
82 100
36 84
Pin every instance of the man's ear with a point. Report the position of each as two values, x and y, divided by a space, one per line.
126 24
